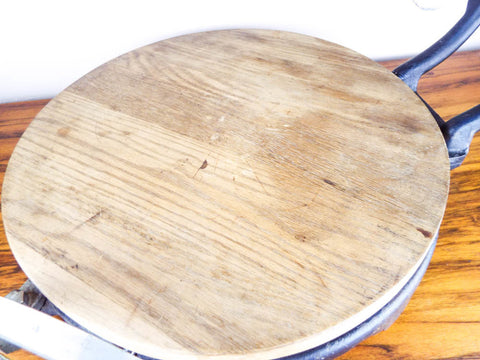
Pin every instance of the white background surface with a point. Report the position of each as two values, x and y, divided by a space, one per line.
46 45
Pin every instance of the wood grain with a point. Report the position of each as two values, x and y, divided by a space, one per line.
320 201
464 339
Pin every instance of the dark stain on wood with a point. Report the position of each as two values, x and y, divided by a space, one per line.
203 166
329 182
425 233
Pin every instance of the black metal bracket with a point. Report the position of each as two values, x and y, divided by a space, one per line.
458 131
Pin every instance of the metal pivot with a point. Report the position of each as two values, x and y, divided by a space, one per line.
458 131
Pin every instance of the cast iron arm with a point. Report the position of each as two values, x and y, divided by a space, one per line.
412 70
458 131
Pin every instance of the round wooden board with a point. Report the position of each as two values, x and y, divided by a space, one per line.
239 194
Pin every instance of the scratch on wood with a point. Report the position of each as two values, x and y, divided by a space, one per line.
95 130
93 218
263 186
132 313
315 197
257 178
304 205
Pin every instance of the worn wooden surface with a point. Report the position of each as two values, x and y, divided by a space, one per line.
248 194
442 319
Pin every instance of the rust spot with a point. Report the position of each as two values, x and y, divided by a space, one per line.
425 233
63 131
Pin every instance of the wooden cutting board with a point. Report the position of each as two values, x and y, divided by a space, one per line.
228 194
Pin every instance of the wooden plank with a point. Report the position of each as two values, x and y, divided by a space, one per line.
442 319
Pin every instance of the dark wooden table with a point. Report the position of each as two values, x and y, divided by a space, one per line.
442 321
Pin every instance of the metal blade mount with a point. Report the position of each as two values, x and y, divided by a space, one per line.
51 338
